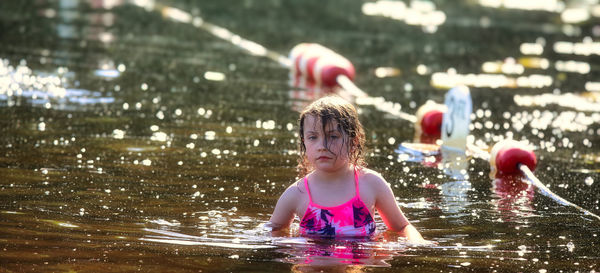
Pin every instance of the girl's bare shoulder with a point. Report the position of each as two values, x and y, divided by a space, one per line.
295 191
371 177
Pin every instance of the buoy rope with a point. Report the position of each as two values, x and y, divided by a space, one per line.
478 152
533 180
364 99
256 49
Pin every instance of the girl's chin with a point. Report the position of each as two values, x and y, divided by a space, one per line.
328 167
323 166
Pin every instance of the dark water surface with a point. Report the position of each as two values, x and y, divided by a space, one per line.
131 142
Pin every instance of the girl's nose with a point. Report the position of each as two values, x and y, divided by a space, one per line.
322 145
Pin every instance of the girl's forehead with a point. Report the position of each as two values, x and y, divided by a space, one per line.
312 122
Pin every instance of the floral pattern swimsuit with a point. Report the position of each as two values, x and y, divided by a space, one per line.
351 218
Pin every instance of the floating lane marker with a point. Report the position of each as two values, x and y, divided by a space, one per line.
455 123
510 157
449 121
507 157
322 65
328 69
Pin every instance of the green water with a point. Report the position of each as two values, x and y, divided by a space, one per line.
131 142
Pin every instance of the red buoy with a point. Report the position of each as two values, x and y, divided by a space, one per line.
431 123
307 60
303 57
320 64
508 154
428 127
328 68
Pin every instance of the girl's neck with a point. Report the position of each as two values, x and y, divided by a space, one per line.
334 177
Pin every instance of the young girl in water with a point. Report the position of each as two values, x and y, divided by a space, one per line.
337 195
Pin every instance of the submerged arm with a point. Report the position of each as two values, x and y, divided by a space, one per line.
392 215
284 212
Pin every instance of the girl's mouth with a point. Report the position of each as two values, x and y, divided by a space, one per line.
323 158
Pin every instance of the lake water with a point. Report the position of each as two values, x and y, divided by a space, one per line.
134 139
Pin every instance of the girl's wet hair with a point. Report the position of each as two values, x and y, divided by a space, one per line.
330 109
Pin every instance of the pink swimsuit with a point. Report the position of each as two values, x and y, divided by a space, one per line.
349 219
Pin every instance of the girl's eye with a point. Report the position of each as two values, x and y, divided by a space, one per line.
312 137
334 136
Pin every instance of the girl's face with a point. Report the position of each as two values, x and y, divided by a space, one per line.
325 150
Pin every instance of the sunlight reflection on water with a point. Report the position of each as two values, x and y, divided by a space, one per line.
143 143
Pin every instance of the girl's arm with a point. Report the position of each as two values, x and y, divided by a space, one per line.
392 215
412 235
284 212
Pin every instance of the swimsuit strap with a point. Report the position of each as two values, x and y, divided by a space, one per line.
356 182
308 190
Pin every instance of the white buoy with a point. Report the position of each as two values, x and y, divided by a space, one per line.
456 121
